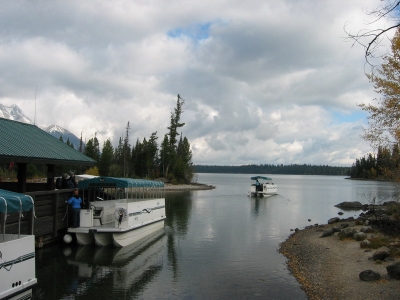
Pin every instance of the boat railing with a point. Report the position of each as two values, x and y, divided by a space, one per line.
113 193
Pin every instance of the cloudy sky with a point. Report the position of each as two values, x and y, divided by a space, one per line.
264 81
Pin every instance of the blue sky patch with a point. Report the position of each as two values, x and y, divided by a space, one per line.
196 32
339 117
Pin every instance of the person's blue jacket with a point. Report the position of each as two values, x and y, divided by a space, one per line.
75 202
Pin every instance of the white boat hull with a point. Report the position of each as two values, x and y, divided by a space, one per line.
130 237
17 266
84 238
103 239
268 189
138 219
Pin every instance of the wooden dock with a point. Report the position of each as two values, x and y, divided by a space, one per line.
51 218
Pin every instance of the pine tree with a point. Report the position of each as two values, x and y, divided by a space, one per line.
92 149
81 144
106 158
126 152
173 133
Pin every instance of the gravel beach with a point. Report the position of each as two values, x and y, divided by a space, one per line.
328 268
187 187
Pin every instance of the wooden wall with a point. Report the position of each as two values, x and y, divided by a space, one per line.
51 219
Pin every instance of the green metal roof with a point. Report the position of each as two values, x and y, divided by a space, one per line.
12 202
118 183
26 143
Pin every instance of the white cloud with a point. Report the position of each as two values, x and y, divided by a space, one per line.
264 81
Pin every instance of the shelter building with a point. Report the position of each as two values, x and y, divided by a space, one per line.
23 144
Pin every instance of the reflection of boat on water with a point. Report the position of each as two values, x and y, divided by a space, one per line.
121 211
262 189
120 271
17 252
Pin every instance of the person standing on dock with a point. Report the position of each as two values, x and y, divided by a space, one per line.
75 201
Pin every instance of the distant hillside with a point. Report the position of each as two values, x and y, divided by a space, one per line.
13 112
293 169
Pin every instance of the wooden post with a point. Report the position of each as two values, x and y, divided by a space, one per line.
55 198
21 177
50 177
30 218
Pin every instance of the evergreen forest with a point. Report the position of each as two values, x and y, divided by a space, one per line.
382 166
274 169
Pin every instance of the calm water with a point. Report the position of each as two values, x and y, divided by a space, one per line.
217 244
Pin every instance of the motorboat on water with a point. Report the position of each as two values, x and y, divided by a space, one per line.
262 189
119 211
17 251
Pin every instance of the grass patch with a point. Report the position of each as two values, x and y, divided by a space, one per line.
359 222
378 242
393 210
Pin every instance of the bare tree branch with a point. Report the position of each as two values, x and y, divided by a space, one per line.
371 39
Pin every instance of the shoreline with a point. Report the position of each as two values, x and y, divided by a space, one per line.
168 187
329 268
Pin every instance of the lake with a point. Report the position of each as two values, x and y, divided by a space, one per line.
216 244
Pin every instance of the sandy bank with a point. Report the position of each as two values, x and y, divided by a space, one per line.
188 187
328 268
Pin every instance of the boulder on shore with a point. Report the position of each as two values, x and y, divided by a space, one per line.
333 220
359 236
369 275
350 205
328 232
394 270
366 229
348 232
381 253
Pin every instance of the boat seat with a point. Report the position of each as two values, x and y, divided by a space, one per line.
98 213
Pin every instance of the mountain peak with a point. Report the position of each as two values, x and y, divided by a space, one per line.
13 112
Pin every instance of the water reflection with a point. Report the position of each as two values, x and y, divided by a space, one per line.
91 272
178 207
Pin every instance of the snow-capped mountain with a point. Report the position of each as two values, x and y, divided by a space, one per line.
58 131
13 112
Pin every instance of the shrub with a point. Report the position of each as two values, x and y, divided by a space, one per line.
393 210
378 242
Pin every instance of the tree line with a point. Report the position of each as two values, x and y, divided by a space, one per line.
384 165
292 169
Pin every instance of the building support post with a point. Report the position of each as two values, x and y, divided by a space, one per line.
50 177
21 178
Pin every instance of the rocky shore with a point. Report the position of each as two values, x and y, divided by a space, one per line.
342 260
188 187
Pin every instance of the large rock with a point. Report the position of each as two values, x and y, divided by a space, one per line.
366 229
381 253
328 232
359 236
365 244
333 220
394 270
369 275
350 205
347 233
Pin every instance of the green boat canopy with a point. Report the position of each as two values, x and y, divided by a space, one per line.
12 202
119 183
260 177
